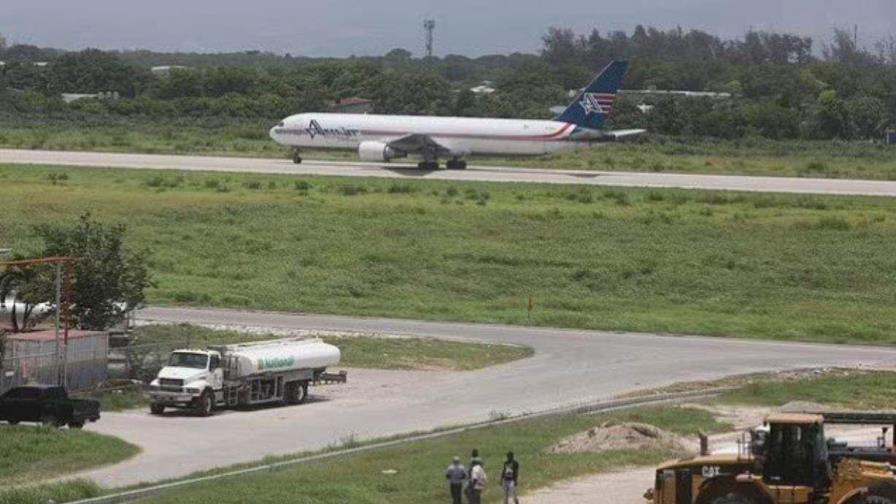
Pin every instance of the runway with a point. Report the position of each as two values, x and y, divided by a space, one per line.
473 174
569 367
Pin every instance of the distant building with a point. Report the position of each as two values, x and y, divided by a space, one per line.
108 95
645 108
486 87
352 105
673 92
165 70
30 358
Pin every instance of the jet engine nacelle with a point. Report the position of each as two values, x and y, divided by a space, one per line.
377 151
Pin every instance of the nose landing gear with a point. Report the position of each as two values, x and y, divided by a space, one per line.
296 156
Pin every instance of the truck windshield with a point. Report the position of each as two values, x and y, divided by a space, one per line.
188 360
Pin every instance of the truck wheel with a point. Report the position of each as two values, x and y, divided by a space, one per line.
203 405
156 409
296 393
732 498
76 425
49 419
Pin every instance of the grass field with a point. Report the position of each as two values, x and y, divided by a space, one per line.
67 491
361 352
672 261
32 453
857 390
828 159
419 466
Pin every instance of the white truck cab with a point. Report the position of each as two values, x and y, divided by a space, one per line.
192 378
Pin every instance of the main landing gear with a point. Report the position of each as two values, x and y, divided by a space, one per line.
451 164
456 164
296 156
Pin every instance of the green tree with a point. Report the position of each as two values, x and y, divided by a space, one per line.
109 281
833 121
867 117
25 287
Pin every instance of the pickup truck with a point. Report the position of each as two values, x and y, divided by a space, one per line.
47 404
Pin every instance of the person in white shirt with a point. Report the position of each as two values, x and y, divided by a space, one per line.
478 480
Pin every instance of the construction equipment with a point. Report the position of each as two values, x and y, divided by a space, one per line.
788 460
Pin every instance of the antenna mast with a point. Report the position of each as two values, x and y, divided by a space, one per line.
429 25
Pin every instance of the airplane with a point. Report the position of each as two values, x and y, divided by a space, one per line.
381 138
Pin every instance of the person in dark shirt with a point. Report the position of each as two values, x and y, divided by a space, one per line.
509 477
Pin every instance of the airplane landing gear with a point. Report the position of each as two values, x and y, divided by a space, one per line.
456 164
428 165
296 156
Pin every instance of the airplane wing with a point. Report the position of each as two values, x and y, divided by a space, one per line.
417 143
605 135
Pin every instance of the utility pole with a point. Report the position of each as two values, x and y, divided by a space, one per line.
429 26
60 362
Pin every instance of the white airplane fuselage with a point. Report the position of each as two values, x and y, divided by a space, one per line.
462 136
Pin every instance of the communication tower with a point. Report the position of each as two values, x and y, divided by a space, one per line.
429 25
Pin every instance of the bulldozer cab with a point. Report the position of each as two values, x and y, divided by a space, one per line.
793 452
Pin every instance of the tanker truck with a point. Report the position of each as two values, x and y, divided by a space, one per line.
245 374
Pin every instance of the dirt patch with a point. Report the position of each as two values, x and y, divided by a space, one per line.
618 436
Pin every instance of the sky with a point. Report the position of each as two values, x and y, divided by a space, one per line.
358 27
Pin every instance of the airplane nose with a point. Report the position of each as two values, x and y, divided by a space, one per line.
273 134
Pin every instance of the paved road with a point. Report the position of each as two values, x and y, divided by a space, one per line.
479 174
569 367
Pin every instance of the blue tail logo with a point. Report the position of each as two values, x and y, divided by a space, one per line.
595 103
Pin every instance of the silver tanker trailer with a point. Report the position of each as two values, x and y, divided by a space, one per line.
264 372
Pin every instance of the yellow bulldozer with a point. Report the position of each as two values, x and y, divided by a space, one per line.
788 460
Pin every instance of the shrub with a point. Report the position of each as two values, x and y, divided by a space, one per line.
398 188
834 223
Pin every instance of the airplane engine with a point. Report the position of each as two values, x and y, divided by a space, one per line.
378 151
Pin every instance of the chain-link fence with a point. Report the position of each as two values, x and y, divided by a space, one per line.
37 358
142 361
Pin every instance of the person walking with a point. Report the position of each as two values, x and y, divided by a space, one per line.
478 480
456 475
509 479
474 461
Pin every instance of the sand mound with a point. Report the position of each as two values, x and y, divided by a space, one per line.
618 436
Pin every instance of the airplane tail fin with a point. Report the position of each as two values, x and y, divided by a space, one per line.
593 105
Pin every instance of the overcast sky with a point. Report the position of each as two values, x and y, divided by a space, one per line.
345 27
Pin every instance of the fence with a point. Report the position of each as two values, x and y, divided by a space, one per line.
32 358
142 361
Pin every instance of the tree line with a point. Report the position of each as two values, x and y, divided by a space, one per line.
782 86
